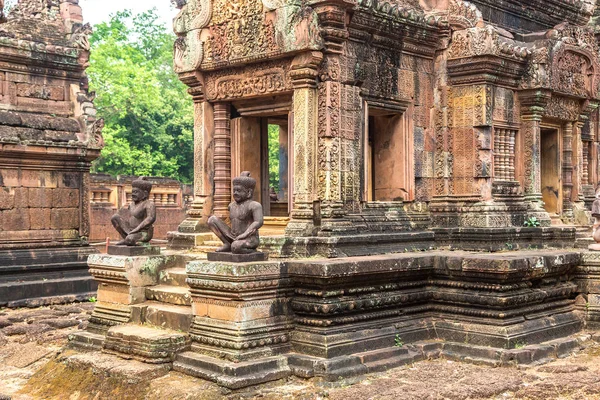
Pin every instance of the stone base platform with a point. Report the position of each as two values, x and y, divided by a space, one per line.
36 277
502 239
150 345
391 357
133 251
249 323
237 258
347 246
232 375
243 374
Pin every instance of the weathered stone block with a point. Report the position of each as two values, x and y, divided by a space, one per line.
40 218
30 178
21 198
237 258
10 178
69 180
49 179
64 218
65 198
16 219
132 251
39 198
7 199
120 294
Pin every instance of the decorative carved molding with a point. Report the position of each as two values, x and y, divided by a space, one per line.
485 41
195 14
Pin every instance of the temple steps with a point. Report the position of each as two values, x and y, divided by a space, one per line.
147 344
174 277
169 294
178 318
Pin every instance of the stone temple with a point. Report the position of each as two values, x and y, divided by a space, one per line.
438 161
49 135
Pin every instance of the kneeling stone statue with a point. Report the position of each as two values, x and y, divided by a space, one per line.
135 221
246 218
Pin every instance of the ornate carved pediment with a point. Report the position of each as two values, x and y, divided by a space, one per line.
247 30
463 15
486 41
563 108
537 74
573 74
252 81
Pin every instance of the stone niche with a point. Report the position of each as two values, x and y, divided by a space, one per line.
49 135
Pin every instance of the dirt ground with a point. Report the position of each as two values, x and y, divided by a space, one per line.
33 365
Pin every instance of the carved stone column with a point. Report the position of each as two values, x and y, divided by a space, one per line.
222 159
202 206
567 170
305 214
533 103
581 215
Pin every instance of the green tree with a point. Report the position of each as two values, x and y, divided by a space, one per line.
274 156
148 114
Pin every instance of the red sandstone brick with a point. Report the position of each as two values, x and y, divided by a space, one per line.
21 198
64 218
39 218
65 198
7 199
10 177
48 179
16 219
40 197
69 180
30 178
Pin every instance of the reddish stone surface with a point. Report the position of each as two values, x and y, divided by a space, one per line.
108 194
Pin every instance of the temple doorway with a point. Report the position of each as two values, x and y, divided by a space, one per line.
259 143
389 156
550 171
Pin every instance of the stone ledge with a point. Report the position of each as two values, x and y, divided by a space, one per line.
133 251
237 258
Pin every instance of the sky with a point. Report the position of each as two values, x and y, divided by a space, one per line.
95 11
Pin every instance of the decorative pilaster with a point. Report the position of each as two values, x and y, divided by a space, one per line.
202 206
222 159
305 214
533 103
581 214
567 170
194 226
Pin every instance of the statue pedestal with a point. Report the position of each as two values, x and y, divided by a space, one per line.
242 322
594 247
133 251
122 282
237 258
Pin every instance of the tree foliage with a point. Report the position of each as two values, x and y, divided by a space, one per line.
148 114
274 157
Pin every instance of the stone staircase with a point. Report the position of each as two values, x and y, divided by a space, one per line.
167 305
159 327
583 237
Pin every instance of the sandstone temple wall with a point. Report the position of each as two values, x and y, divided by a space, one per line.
49 135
